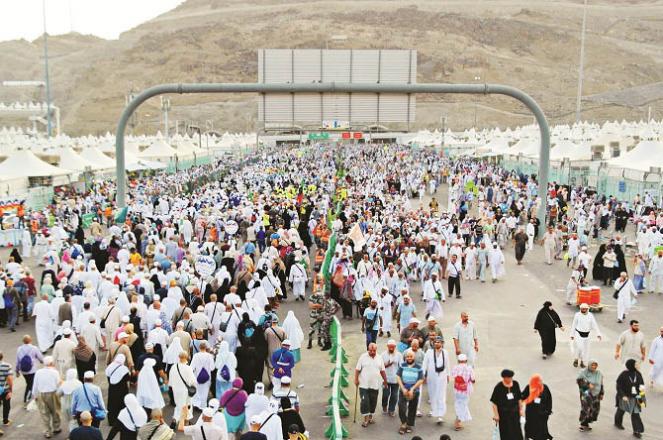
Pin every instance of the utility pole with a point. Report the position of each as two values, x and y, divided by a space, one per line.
48 83
581 67
165 107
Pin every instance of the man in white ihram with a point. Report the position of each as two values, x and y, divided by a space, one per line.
583 324
656 360
625 294
436 371
656 271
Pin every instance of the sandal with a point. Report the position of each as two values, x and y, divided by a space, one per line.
408 430
401 430
364 424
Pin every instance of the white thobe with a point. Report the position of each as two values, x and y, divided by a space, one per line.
200 361
298 279
496 259
656 355
627 292
63 354
386 311
43 325
433 293
437 382
179 387
585 323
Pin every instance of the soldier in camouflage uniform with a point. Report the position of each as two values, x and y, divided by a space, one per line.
316 304
329 310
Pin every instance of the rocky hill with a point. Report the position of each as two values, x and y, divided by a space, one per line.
530 44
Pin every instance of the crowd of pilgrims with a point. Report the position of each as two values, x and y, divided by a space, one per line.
116 297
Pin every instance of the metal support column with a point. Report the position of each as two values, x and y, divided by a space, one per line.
477 89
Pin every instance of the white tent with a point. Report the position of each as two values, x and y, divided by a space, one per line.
71 160
158 150
569 150
24 163
645 155
97 157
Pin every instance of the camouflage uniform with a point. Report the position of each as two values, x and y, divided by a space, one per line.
328 312
315 321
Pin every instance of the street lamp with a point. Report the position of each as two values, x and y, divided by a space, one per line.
476 102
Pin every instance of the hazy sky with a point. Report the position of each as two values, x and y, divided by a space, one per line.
103 18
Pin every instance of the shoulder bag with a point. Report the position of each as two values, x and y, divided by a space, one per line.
97 412
190 389
102 324
616 294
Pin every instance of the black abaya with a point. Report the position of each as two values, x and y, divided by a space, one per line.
536 414
507 409
116 395
547 320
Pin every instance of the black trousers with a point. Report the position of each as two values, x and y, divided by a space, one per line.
29 379
6 407
368 401
453 282
636 421
407 409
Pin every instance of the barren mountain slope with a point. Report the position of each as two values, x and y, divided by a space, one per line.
530 44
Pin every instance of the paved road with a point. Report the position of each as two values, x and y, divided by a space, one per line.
504 313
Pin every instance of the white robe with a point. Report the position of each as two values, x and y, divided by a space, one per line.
626 295
180 393
298 279
26 244
433 291
496 259
656 355
43 325
437 382
293 330
584 323
63 354
273 428
200 361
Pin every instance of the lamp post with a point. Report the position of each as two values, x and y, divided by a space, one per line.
48 82
476 102
581 66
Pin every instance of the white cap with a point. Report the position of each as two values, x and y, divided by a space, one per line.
157 322
88 375
149 346
286 342
122 335
208 412
285 380
255 420
414 321
584 306
462 357
125 319
66 331
391 342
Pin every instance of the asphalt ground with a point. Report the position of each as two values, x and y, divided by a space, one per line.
504 314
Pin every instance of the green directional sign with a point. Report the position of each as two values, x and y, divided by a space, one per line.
318 136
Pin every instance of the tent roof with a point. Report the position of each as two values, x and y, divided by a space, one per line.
97 157
24 163
71 160
570 150
645 155
158 149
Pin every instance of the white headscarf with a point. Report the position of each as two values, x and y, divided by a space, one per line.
148 392
225 357
71 382
133 416
257 402
294 330
172 354
116 370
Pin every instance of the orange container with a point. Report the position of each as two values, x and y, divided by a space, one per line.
584 295
595 295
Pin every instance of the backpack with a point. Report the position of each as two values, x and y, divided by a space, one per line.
460 384
203 376
9 303
25 364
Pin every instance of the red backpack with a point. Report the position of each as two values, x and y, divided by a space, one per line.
460 384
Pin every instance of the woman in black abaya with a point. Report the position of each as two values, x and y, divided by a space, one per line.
118 386
547 320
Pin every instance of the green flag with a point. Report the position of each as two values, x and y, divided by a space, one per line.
121 215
